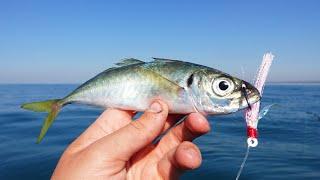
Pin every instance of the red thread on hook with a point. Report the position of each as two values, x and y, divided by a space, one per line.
252 132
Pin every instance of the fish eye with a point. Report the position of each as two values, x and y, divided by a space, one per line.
222 86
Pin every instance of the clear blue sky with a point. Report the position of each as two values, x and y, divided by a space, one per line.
69 42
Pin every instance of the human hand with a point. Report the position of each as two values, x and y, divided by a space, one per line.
115 147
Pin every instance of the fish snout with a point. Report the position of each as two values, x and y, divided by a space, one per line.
252 94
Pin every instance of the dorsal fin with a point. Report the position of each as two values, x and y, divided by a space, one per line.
129 61
164 59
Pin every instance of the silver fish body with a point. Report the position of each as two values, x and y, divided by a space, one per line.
185 87
134 84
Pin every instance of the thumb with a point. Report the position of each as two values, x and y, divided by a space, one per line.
125 142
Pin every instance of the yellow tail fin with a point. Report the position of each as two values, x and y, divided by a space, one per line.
51 106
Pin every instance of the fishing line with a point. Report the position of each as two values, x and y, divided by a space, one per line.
253 115
243 163
244 91
158 138
242 72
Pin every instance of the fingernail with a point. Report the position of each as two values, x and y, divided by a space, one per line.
155 107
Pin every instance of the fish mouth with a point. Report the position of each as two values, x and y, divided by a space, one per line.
250 95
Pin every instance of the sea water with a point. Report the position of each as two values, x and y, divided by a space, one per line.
289 136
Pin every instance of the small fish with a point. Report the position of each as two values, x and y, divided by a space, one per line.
134 84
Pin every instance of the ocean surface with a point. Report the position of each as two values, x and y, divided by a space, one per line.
289 136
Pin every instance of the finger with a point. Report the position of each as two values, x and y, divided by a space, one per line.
109 121
194 126
171 121
123 143
186 156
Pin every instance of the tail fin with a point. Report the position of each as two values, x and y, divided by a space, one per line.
51 106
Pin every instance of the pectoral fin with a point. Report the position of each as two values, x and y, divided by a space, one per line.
162 82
